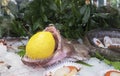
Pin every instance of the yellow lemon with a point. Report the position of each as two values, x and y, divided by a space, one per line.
41 45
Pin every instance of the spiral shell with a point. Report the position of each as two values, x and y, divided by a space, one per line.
110 39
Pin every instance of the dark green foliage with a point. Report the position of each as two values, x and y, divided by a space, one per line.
107 17
64 14
19 28
72 17
22 50
21 53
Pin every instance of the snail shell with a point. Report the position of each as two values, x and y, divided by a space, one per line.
112 51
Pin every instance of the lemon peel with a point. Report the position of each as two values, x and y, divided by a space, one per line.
40 46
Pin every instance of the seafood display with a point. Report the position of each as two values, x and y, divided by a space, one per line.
104 41
11 65
63 68
112 73
66 53
63 49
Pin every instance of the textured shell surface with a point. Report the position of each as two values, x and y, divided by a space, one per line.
103 72
50 70
110 39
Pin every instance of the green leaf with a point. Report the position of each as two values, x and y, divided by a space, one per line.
115 64
83 9
99 56
21 53
107 61
35 26
86 15
81 62
53 6
102 15
45 18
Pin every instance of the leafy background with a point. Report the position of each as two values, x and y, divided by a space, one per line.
74 18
